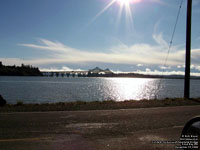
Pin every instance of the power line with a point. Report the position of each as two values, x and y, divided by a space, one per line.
174 30
169 47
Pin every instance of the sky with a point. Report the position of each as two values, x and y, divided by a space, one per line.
122 35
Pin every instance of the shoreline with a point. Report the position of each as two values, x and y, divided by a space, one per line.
139 77
98 105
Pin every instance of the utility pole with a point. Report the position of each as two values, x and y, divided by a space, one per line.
188 50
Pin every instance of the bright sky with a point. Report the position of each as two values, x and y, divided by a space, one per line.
123 35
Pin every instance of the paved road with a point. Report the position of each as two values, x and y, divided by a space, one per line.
94 130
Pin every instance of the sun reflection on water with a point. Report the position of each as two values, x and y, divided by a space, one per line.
131 88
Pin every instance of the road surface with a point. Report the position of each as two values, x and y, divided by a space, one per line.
94 130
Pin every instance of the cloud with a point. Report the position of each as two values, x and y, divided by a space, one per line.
64 68
120 54
197 68
192 66
159 40
137 54
165 67
157 72
13 61
49 46
180 66
140 65
147 70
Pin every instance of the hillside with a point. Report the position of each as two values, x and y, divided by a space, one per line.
23 70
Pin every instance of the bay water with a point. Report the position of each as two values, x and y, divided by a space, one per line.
63 89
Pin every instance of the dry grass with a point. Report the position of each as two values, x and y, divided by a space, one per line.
97 105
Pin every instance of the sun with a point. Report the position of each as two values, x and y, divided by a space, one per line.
123 5
124 2
127 2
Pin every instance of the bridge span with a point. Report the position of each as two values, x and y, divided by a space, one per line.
65 73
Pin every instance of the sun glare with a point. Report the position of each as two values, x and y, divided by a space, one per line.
124 5
127 2
123 2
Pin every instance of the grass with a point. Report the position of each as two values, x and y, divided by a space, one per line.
97 105
19 103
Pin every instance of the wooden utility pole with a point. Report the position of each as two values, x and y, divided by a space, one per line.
188 50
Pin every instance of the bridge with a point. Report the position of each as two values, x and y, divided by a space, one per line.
65 73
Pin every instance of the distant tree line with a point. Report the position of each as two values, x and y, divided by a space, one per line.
23 70
90 74
136 75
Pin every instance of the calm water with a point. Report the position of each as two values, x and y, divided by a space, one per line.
53 89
